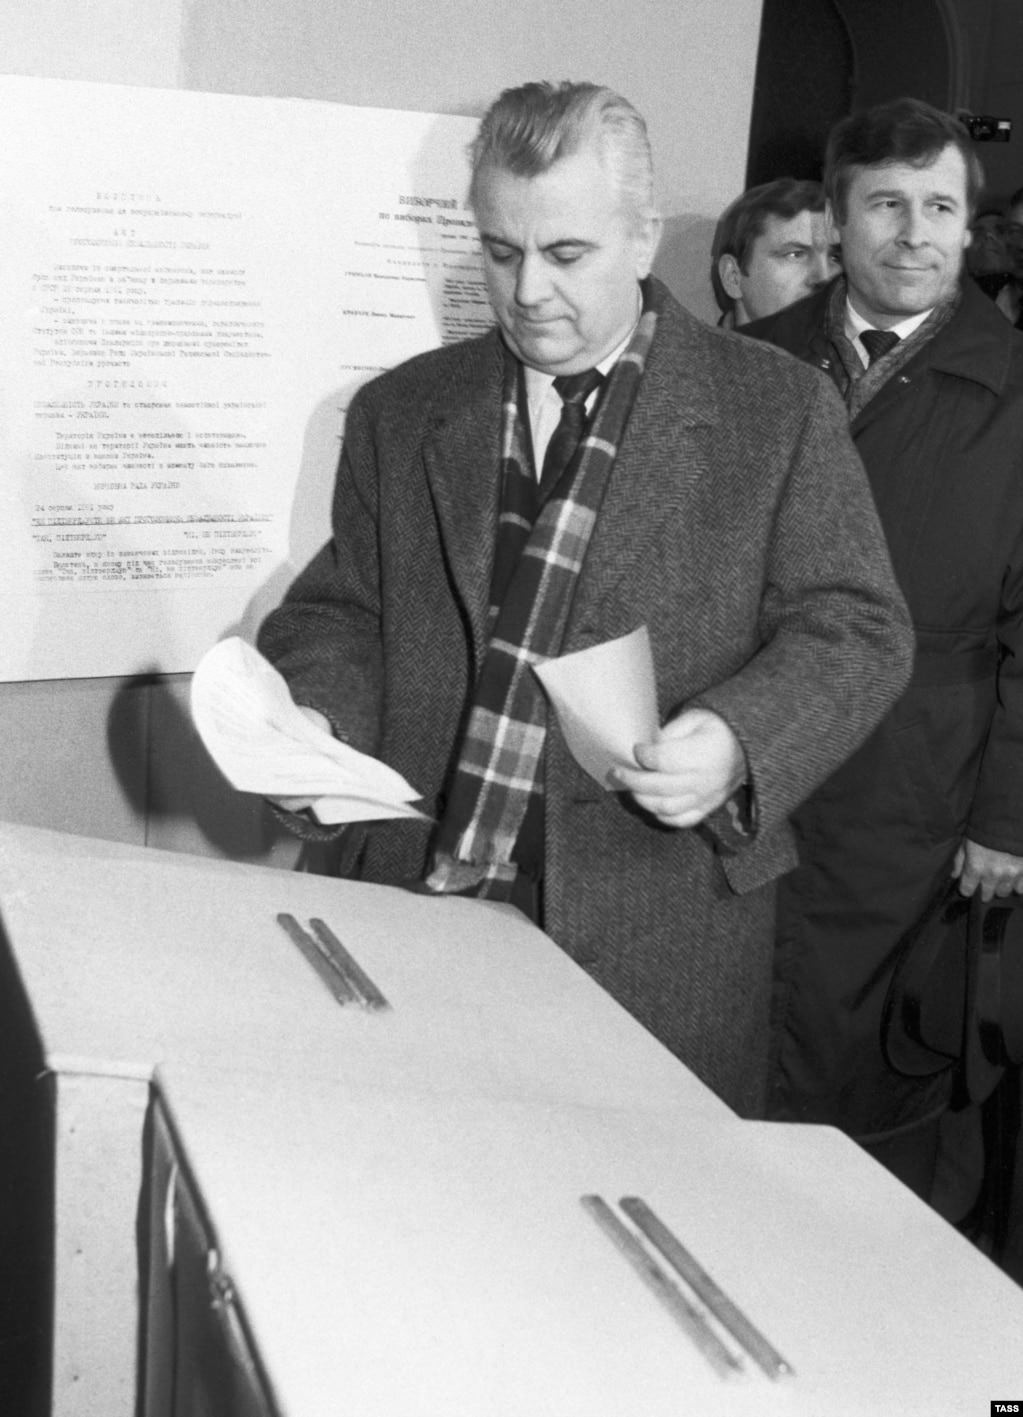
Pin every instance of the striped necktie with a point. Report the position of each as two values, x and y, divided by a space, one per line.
877 343
574 390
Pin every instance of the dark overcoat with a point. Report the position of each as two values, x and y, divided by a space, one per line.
738 527
942 442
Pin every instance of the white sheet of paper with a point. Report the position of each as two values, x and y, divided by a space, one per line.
606 701
262 742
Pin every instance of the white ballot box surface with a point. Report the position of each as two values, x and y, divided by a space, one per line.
390 1255
122 958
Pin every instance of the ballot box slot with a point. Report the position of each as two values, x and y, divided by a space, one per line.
763 1353
694 1307
347 981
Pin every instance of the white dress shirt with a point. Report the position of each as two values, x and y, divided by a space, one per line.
855 324
545 402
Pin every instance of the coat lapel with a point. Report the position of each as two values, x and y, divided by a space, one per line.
670 427
461 453
666 448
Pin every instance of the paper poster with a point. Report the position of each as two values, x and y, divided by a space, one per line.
194 286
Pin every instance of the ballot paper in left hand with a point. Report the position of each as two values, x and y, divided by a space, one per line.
606 701
262 742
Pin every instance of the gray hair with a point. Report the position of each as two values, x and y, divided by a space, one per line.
527 129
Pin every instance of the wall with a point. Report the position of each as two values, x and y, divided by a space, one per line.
994 30
116 758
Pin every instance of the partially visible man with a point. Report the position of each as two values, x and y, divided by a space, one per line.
932 376
1010 297
600 461
987 257
771 247
1013 230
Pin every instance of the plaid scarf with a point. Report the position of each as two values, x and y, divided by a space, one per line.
499 770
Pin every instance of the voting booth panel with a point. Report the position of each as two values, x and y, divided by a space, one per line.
26 1200
256 1194
397 1254
114 959
198 1357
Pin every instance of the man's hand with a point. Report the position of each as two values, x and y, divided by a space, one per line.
997 873
693 765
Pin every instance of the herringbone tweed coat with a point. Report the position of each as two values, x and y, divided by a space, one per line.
738 526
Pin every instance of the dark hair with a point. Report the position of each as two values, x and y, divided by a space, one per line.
1015 199
527 129
745 219
904 130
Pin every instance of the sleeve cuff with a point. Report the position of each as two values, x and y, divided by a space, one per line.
732 827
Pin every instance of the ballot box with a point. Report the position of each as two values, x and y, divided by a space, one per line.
384 1254
116 959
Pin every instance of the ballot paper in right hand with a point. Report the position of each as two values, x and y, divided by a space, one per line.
262 742
606 701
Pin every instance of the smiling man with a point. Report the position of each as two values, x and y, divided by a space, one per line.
771 247
932 376
599 461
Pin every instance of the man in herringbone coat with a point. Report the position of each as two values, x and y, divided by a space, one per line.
731 517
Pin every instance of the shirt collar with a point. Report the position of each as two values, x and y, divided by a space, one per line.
539 384
855 324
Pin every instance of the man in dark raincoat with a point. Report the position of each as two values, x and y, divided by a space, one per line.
936 792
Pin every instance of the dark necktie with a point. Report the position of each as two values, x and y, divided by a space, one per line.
877 343
574 389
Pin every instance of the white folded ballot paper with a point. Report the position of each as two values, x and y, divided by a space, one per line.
262 742
606 701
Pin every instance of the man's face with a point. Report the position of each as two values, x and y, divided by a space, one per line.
1014 239
791 257
903 236
562 261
